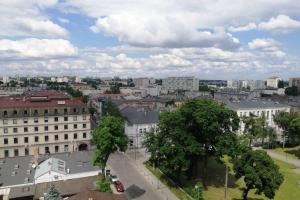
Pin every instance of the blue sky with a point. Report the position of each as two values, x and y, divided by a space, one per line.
226 39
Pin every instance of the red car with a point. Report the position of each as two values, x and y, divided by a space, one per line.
119 186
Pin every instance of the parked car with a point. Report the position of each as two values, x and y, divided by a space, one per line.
119 186
113 178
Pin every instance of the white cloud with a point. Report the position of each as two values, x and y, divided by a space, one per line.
268 46
280 25
27 18
248 27
63 20
36 48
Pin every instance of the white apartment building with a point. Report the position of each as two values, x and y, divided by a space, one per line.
43 122
181 83
269 108
143 82
272 82
251 84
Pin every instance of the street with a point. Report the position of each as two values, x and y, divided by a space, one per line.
135 184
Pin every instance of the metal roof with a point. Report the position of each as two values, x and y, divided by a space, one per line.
140 115
243 105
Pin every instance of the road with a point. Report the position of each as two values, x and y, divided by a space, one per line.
286 159
136 185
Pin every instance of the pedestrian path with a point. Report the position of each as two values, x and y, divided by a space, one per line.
138 158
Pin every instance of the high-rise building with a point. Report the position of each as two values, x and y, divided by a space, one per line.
294 82
272 82
43 122
142 82
181 83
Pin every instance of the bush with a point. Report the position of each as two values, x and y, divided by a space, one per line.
103 184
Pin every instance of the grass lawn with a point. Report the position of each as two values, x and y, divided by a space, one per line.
290 152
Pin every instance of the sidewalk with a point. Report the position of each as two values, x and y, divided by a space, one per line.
138 158
286 159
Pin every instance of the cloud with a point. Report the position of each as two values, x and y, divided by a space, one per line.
248 27
63 20
280 25
36 48
268 46
27 18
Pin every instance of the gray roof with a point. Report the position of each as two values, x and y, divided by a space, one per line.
140 115
52 164
255 104
76 162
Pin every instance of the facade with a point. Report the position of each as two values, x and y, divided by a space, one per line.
142 82
250 84
272 82
294 82
42 123
181 83
269 108
138 121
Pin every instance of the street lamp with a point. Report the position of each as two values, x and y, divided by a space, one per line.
198 192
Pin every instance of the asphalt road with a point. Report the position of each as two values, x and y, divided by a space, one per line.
136 186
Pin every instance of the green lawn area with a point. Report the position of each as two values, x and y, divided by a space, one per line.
215 179
290 152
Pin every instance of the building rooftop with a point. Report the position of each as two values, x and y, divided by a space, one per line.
40 99
95 195
15 170
140 115
254 105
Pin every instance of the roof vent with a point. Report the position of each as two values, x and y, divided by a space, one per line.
13 173
16 166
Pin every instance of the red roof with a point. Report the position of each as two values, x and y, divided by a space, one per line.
41 99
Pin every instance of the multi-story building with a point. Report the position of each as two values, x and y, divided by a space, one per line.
250 84
181 83
294 82
258 108
142 82
272 82
43 122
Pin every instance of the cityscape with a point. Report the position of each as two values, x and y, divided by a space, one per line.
153 100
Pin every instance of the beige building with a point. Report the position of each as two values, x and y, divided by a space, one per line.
181 83
43 122
272 82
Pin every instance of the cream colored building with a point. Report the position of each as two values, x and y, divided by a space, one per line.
272 82
43 122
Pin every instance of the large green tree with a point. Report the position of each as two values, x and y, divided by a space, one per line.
108 138
295 131
253 127
259 172
52 193
109 108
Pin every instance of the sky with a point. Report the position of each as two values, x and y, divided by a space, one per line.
224 39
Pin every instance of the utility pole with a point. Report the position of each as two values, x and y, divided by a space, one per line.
226 181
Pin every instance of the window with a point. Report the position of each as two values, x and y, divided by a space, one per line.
66 111
15 113
140 130
5 130
66 147
26 152
55 127
25 120
15 130
66 136
65 119
46 112
84 117
36 112
25 139
5 140
83 110
36 129
6 153
46 119
46 138
55 137
65 127
55 111
46 128
5 113
84 135
15 121
84 125
36 120
56 149
16 151
36 138
25 129
74 118
15 140
47 150
25 112
75 135
74 110
75 126
5 121
145 130
56 119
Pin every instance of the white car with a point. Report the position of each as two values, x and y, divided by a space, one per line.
113 178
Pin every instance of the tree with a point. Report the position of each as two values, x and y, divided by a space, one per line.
198 191
283 120
253 127
52 193
103 184
259 172
109 108
271 135
292 91
281 84
295 131
108 138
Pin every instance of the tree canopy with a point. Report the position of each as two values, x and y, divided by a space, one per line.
52 193
108 138
259 172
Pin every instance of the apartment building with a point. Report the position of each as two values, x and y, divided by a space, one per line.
143 82
181 83
272 82
43 122
294 82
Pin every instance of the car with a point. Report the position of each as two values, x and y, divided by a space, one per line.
113 178
119 186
